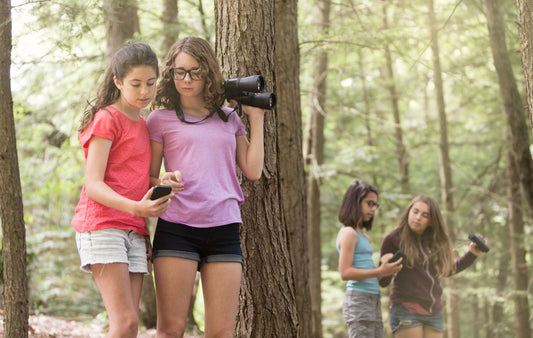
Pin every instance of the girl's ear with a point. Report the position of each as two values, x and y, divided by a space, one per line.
118 83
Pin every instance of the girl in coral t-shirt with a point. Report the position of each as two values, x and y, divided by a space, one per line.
110 224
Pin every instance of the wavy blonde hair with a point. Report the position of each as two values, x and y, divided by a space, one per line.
166 94
435 239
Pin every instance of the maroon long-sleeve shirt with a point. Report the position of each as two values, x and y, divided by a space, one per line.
419 284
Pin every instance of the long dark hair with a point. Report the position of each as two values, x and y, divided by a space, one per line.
131 55
435 239
350 210
166 94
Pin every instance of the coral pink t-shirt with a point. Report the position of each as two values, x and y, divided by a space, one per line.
127 171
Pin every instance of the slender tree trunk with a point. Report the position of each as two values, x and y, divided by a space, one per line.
401 151
169 19
525 35
495 331
512 101
314 159
121 22
446 172
522 328
291 163
272 290
11 208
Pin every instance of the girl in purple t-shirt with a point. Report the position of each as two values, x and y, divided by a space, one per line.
201 144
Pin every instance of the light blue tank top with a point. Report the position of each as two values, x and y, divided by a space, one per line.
362 259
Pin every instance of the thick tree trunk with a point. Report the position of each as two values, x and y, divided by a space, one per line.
274 295
169 19
121 22
522 328
16 310
314 159
512 101
291 163
452 308
525 34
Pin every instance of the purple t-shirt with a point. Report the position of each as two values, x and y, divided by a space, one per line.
205 154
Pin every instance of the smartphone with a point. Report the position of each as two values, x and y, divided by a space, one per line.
479 242
160 191
397 255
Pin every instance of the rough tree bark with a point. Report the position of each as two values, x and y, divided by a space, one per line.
169 19
274 297
121 23
525 35
314 157
512 102
16 310
522 328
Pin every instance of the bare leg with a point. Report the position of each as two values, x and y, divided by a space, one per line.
120 292
418 332
174 280
431 333
221 283
410 332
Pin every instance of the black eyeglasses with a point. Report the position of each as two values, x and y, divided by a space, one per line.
181 73
371 203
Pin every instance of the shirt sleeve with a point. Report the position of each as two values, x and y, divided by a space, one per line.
387 247
103 125
153 126
464 262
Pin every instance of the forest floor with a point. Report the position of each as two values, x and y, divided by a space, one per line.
41 326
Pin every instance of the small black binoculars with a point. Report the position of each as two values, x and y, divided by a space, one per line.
249 91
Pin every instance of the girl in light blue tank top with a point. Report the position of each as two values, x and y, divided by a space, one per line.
362 306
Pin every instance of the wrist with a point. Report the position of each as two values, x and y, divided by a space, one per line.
154 181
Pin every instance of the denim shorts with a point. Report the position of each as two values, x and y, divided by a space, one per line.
362 314
112 246
400 318
204 245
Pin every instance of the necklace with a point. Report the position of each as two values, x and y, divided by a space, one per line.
221 114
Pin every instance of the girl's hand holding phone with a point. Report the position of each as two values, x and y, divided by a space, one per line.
147 207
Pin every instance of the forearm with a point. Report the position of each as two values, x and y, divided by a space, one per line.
360 274
255 154
102 193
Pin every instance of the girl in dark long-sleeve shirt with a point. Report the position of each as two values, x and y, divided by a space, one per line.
415 300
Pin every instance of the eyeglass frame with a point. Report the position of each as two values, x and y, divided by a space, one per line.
187 71
371 204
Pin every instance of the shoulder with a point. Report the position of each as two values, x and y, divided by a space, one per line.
393 235
158 113
347 234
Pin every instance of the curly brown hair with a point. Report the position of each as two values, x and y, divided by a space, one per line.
166 94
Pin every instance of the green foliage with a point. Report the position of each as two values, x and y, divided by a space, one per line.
58 63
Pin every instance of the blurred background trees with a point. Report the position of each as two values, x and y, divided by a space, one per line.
372 107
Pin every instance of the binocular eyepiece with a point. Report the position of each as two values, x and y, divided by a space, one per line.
249 91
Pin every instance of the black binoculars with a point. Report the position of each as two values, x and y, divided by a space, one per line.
249 91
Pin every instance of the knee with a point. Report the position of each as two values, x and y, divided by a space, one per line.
127 327
170 329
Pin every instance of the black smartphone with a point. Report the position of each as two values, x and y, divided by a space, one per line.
397 255
160 191
479 242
